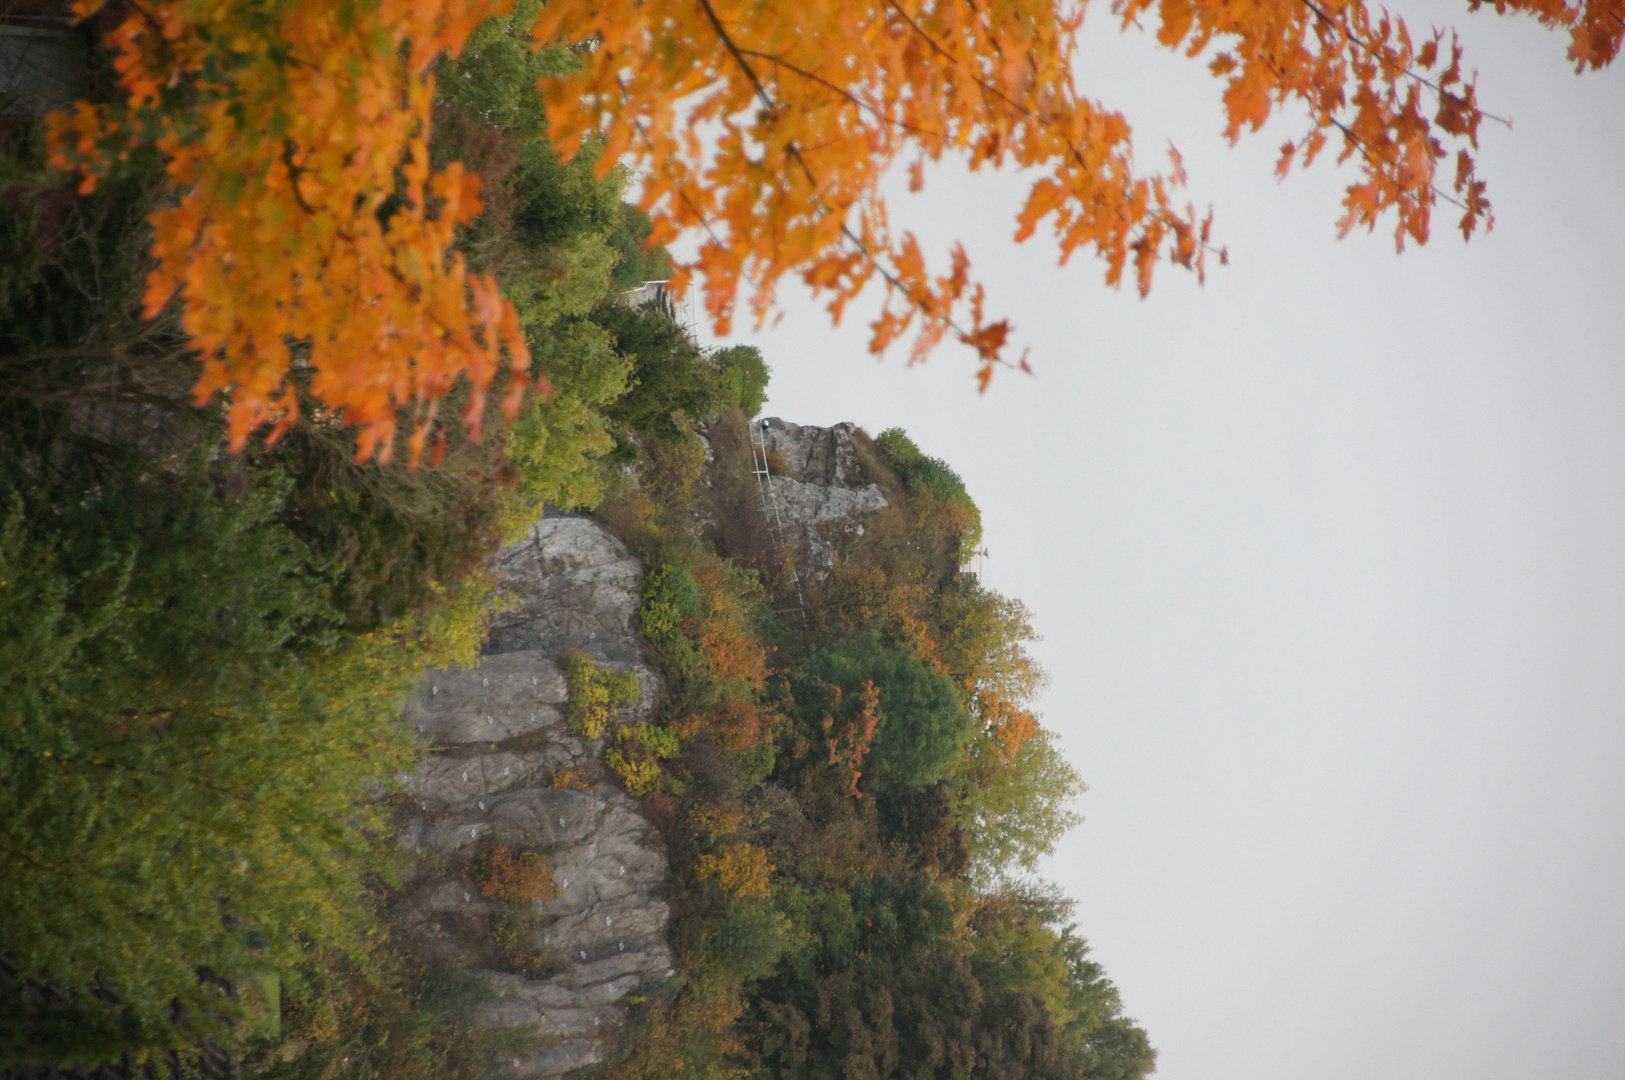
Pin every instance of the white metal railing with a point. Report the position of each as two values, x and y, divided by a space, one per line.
679 306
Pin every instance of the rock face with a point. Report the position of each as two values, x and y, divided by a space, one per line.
504 764
499 743
824 496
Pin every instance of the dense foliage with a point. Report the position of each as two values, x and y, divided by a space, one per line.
854 796
929 476
766 130
134 697
202 652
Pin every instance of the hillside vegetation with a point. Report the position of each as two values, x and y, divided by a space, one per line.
202 655
856 794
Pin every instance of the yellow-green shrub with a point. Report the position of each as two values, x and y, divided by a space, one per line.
515 936
635 759
594 694
639 777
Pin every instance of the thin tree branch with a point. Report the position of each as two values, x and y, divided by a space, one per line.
772 108
814 77
722 33
1407 72
1365 150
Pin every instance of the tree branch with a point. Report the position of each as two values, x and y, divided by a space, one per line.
1373 51
819 79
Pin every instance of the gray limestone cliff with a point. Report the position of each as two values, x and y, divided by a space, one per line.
824 496
497 739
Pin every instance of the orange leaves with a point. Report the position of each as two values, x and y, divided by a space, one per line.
1471 191
815 100
849 735
305 220
1009 725
305 224
1046 198
506 873
1247 99
731 651
1284 164
1594 39
1178 175
812 103
1362 77
1596 27
737 723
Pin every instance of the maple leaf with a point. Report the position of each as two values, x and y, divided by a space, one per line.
1283 166
1179 176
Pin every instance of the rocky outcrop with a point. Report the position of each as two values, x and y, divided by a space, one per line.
503 763
499 745
824 495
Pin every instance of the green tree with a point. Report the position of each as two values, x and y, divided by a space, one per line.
900 988
982 639
923 727
932 478
187 743
561 241
1018 950
742 378
930 822
671 376
1018 809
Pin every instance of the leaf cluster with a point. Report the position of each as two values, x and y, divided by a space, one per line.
595 694
299 132
931 477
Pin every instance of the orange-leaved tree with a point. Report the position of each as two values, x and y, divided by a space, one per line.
769 125
305 225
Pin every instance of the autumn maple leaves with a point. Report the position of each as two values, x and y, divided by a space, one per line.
305 215
813 104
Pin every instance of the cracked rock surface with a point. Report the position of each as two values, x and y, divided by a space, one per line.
825 496
498 743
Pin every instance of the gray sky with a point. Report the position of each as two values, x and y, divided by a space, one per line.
1327 559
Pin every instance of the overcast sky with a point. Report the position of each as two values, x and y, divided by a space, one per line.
1326 556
